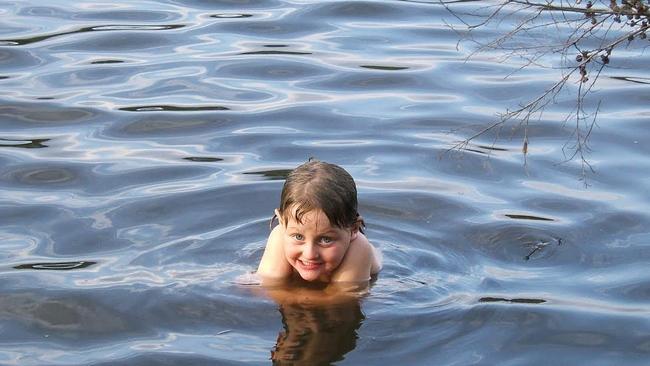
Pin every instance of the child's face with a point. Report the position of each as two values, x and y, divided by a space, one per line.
315 248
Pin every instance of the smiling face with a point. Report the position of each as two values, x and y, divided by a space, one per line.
314 247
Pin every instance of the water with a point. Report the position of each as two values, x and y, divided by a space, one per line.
143 146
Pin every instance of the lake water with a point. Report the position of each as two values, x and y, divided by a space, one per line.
143 146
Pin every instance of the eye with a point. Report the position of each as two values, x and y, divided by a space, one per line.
298 237
326 240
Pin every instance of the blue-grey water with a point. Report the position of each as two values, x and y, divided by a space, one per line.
143 146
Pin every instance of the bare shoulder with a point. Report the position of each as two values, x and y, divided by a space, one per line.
273 264
366 249
361 261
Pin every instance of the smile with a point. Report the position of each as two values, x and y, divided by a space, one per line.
309 265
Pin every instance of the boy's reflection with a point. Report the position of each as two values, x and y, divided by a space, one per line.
317 334
320 325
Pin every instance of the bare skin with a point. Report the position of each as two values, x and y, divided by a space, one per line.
317 273
318 252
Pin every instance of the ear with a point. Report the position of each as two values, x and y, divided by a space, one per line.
354 235
277 214
354 231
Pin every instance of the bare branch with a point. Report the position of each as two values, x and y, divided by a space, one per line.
611 23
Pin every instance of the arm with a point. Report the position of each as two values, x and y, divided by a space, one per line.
274 265
288 293
360 262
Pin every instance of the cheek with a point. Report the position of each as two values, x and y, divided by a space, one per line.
335 255
289 250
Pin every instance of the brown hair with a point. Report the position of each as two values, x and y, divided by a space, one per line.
320 185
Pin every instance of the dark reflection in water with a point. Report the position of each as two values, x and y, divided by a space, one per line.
384 68
102 62
56 266
528 217
99 28
513 301
230 16
492 148
173 108
317 334
278 174
320 321
203 159
482 149
25 144
632 80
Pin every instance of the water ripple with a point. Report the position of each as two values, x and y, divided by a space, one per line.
144 145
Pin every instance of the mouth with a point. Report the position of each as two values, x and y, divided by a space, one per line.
308 265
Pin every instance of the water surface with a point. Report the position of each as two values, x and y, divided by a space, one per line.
143 145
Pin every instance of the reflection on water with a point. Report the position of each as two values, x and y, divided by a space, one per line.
101 28
320 322
172 108
276 174
317 334
143 146
25 144
57 266
528 217
514 301
203 159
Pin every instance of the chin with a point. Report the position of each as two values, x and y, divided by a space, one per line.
313 274
309 277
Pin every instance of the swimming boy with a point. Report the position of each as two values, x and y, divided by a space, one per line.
319 237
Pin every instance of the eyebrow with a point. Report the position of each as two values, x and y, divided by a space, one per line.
330 232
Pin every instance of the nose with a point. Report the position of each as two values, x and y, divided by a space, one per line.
310 251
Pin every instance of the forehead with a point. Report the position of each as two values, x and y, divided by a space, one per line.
314 217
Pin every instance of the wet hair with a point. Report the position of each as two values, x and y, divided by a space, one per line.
320 185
